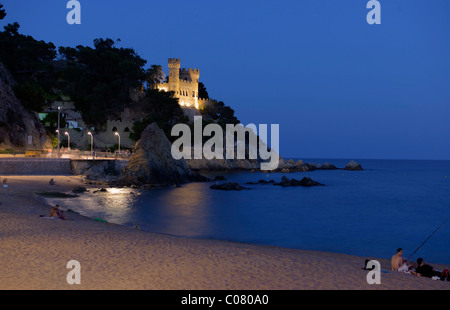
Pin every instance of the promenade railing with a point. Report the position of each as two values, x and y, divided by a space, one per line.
65 153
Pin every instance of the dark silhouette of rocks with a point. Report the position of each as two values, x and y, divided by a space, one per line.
353 165
229 186
262 182
306 181
152 162
19 128
79 189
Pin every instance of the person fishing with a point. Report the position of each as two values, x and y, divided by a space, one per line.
428 238
398 263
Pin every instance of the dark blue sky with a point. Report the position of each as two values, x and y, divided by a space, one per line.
338 87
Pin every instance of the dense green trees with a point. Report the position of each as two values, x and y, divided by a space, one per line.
154 75
220 113
99 79
159 107
30 63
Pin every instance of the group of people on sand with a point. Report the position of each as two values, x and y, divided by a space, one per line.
419 268
56 213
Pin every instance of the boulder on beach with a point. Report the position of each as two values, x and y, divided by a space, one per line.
153 163
306 181
353 165
79 189
100 190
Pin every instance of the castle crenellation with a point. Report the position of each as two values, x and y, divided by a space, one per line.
184 83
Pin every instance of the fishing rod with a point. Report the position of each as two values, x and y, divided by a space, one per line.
429 237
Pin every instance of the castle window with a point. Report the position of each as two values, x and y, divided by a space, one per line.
114 129
126 129
193 93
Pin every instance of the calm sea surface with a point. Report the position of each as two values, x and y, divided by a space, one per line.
371 213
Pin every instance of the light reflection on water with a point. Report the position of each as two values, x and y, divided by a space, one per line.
114 205
182 207
390 204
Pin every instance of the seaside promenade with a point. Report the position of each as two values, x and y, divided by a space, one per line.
69 163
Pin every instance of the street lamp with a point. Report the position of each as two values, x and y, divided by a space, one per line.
59 153
68 140
92 143
117 134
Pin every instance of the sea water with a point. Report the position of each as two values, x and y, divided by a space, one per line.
370 213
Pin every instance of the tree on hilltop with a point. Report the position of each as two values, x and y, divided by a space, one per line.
220 113
160 107
154 75
202 93
30 64
2 12
99 79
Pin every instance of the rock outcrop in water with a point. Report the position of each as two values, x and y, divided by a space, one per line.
306 181
352 165
229 186
18 126
152 162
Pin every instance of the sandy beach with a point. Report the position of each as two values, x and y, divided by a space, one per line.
34 252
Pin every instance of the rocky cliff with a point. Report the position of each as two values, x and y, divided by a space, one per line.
19 128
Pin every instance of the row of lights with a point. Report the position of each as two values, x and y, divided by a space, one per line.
92 139
68 137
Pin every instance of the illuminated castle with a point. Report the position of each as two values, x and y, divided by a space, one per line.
184 83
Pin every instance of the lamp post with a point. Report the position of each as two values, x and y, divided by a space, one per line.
92 143
57 135
117 134
68 140
59 153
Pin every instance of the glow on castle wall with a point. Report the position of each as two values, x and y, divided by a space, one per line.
184 83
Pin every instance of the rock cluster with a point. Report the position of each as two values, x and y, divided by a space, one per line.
352 165
229 186
306 181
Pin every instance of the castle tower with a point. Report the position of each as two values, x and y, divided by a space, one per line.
195 75
174 74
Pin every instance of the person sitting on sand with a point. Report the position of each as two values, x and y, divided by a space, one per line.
51 182
425 270
56 212
399 264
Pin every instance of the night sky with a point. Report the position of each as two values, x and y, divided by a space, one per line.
338 87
